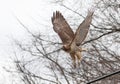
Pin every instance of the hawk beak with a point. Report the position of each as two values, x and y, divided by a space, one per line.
66 46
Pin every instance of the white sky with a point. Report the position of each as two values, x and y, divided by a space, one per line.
27 11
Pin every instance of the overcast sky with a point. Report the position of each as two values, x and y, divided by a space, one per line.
32 13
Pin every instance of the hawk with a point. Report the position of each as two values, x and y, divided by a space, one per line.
72 41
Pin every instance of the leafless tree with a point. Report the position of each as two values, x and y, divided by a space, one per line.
43 61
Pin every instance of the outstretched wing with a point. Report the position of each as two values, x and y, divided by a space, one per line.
61 27
83 28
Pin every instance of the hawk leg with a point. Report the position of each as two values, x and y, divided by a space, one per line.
79 57
82 49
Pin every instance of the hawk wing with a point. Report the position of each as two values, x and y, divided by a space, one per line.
62 28
83 28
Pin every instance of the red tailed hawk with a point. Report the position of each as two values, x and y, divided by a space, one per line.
71 41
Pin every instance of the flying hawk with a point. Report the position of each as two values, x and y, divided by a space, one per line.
71 41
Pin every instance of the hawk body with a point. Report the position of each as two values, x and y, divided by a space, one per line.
71 41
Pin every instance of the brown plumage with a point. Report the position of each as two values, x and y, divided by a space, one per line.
71 41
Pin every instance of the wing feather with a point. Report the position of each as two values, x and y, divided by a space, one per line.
61 27
83 28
